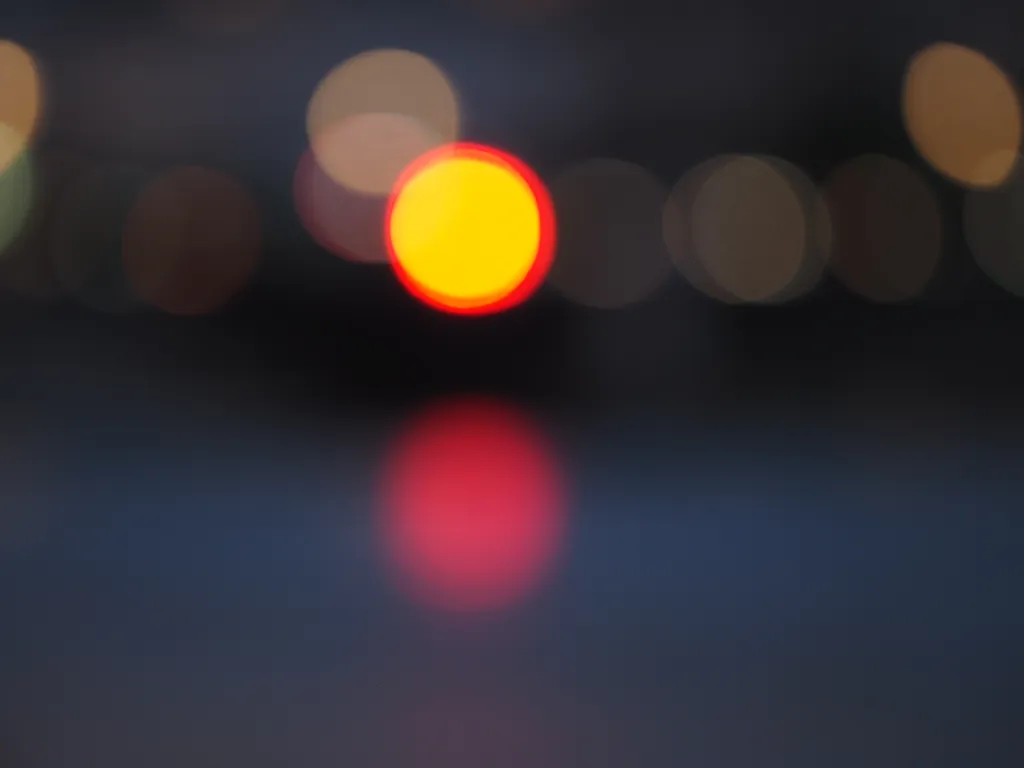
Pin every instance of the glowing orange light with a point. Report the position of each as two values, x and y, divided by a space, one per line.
473 507
470 230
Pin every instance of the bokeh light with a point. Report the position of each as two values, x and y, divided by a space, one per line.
26 269
677 228
887 228
376 113
473 507
86 246
963 114
819 230
16 191
994 228
191 240
346 223
368 152
751 229
470 229
21 100
610 250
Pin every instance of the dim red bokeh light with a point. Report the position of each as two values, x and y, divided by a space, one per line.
473 507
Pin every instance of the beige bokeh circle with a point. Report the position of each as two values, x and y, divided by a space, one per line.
368 152
750 229
677 228
375 113
819 230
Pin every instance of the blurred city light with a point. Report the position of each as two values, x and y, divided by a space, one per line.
16 191
994 228
191 240
610 250
26 268
368 152
963 114
21 100
887 228
346 223
376 113
472 507
750 229
470 230
819 230
677 228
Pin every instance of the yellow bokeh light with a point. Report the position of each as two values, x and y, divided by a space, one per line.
20 99
963 114
470 230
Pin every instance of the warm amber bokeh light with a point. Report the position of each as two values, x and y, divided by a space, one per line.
470 229
20 100
963 114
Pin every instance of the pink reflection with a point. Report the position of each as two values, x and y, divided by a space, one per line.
346 223
473 507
